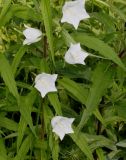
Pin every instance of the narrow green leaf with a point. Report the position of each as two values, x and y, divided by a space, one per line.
101 79
99 116
6 5
101 3
7 75
107 20
53 143
55 149
54 146
100 154
100 46
113 119
121 108
47 116
46 13
54 100
24 148
21 130
75 89
122 143
17 59
25 106
97 141
20 11
118 12
8 123
81 142
3 152
121 1
67 38
25 12
115 154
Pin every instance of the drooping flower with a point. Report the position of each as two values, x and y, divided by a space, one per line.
45 83
62 125
74 12
32 35
75 55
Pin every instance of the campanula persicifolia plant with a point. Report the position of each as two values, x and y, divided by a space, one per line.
62 79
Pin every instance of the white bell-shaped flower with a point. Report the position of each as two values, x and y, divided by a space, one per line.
62 125
75 55
45 83
74 12
32 35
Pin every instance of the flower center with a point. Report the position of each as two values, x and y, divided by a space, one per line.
45 83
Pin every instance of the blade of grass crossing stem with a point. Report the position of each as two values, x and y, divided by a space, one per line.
3 152
22 12
74 88
25 105
7 75
48 115
96 141
81 142
53 98
100 154
21 131
118 12
100 46
54 145
24 148
67 38
6 5
8 123
17 59
46 13
55 151
99 116
101 79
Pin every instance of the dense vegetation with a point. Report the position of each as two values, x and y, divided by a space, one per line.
94 94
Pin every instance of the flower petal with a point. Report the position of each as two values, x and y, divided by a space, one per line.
74 12
59 132
32 33
62 125
75 55
45 83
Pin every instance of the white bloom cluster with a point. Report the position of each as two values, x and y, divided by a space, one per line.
45 83
73 13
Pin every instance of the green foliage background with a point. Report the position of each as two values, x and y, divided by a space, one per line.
94 94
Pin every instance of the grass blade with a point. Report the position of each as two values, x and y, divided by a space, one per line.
7 75
101 79
6 5
24 148
3 152
75 89
46 13
81 142
17 59
53 98
21 130
98 45
25 106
